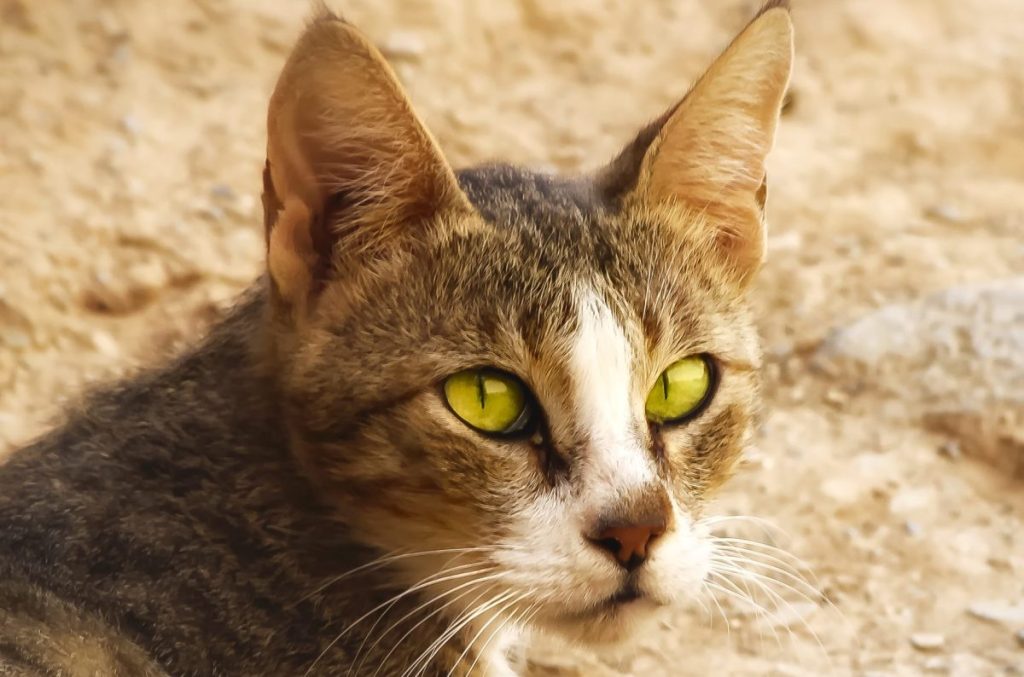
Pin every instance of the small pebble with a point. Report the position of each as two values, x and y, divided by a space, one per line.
122 54
222 191
146 276
245 204
912 528
944 212
106 344
210 212
951 450
1020 638
927 641
936 664
836 397
130 125
403 45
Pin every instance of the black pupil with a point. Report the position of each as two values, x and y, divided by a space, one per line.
480 390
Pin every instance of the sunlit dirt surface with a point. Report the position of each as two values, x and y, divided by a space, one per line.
892 306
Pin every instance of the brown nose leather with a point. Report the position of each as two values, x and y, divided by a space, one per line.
628 543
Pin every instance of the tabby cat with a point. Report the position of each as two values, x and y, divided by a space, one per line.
457 406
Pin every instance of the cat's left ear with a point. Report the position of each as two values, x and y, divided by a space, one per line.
351 171
707 153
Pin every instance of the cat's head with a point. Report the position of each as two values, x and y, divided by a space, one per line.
528 384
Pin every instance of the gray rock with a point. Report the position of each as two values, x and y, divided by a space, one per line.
959 348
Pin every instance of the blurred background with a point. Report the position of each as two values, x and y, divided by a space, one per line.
892 305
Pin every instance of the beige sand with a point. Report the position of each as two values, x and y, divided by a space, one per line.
131 142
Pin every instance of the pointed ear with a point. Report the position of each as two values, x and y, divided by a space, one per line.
707 153
350 168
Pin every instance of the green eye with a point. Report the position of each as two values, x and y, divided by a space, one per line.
680 390
490 401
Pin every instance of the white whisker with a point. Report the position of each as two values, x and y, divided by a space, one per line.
431 580
388 559
423 662
435 579
759 610
761 583
483 628
472 585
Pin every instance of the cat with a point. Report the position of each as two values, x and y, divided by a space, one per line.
456 406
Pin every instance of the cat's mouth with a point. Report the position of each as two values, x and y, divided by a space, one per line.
628 598
610 620
628 594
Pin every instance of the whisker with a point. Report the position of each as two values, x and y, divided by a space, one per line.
454 630
703 606
759 610
387 559
787 570
435 579
767 526
737 556
779 555
734 566
423 662
761 582
419 586
750 595
483 628
725 619
514 619
472 585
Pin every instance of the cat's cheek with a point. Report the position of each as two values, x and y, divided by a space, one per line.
678 466
495 481
701 456
545 553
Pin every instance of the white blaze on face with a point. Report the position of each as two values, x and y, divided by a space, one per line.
601 370
549 554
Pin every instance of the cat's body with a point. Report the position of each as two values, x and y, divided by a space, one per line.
167 519
294 495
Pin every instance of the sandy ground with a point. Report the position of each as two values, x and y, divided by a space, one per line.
131 140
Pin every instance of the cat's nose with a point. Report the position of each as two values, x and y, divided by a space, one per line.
628 543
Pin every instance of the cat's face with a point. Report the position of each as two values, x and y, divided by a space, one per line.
586 307
572 496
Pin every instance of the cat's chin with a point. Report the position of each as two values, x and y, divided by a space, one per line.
614 623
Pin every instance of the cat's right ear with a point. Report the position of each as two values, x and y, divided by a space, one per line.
351 170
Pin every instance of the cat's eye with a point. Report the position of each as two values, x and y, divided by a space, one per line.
681 390
489 400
